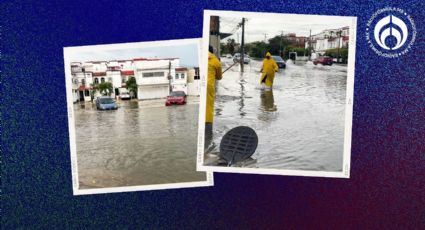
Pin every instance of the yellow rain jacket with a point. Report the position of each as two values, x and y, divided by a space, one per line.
268 70
214 73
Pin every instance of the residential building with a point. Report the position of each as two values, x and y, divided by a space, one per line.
329 39
193 82
297 42
179 82
154 76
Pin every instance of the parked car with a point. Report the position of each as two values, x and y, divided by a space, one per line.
105 103
229 56
176 97
237 58
125 96
324 60
279 61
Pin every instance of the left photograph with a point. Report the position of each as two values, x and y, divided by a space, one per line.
133 113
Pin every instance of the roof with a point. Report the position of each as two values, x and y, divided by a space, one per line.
181 69
153 59
127 72
99 73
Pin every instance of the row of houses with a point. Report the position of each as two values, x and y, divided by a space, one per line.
155 77
328 39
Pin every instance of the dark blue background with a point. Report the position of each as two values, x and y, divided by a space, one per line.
387 184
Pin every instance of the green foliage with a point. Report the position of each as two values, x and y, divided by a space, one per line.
343 53
276 46
131 85
104 88
228 47
299 51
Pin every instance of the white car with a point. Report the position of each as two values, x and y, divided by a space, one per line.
125 96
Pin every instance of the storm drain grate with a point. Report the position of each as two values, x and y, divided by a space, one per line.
238 144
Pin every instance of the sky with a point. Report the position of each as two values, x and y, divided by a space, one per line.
188 54
256 27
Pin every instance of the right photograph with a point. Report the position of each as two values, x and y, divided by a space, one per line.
278 93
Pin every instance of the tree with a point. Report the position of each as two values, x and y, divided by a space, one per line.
131 85
105 88
231 45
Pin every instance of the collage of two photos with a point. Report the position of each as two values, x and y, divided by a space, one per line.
260 93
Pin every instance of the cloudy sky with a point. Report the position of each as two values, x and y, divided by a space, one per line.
187 53
256 27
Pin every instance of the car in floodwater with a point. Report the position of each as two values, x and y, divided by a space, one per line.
106 103
324 60
279 61
237 58
125 96
176 98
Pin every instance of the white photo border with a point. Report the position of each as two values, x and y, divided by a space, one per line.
67 51
345 173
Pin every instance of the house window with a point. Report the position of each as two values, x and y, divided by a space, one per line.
153 74
86 93
182 76
196 73
96 81
102 80
177 76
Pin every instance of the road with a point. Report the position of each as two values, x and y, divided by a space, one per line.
300 123
141 143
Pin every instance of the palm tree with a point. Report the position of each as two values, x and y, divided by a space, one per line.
105 88
131 85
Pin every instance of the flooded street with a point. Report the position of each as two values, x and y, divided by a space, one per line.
300 123
141 143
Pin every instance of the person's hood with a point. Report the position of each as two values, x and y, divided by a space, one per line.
268 54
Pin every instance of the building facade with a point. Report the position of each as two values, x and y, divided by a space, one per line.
329 39
155 77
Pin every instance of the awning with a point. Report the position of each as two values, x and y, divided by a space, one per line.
83 88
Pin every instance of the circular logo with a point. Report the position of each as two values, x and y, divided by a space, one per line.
390 32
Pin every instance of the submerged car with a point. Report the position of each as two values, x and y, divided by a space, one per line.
324 60
237 58
177 98
279 61
105 103
125 96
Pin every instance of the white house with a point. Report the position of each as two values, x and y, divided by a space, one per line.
179 82
329 39
193 82
154 76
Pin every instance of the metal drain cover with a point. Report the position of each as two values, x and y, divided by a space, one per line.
238 144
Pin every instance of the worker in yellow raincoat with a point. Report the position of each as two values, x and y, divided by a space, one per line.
268 70
214 73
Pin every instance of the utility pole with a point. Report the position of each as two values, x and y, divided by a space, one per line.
265 40
339 39
243 44
169 76
280 46
309 46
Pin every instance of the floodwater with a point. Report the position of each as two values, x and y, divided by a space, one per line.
141 143
300 123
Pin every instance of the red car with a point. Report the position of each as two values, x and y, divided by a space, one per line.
324 60
176 97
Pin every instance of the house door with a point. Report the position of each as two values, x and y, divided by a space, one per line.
81 95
